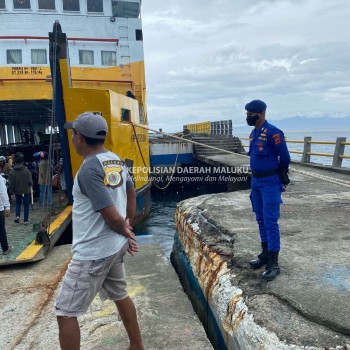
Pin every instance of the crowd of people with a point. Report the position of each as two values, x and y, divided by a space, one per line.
22 182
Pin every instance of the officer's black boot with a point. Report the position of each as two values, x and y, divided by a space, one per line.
261 260
272 267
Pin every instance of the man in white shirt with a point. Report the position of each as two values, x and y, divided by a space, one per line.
104 204
4 211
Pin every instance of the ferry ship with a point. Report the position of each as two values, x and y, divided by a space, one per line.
41 88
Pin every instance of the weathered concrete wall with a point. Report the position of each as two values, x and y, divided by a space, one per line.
308 305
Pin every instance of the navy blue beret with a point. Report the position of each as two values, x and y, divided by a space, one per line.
256 106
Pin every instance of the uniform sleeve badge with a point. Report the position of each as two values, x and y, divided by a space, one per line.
113 177
277 139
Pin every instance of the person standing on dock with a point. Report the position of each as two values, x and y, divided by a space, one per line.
104 205
269 162
4 211
20 183
45 180
4 167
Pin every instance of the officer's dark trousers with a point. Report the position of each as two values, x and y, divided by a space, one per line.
266 200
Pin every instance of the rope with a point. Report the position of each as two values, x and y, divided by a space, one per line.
172 175
323 177
144 163
303 172
190 141
138 145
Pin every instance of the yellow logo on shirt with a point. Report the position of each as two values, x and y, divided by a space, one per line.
113 176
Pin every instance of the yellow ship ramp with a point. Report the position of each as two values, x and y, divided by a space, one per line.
22 237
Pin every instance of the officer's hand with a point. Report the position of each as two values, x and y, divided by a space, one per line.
284 177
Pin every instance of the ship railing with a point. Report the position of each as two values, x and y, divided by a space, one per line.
338 154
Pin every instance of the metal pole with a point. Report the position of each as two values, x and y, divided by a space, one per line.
58 50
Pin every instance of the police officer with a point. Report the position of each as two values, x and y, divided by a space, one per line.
269 161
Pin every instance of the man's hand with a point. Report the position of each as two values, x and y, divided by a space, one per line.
7 212
133 246
121 226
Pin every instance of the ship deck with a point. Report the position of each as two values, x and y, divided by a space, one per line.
22 237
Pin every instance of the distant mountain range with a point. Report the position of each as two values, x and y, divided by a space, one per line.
304 123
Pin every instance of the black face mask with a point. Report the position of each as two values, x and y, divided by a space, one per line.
252 119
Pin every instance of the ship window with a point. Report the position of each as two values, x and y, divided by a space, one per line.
125 114
51 130
109 58
139 34
14 56
86 57
46 4
2 4
39 56
94 5
71 5
126 9
21 4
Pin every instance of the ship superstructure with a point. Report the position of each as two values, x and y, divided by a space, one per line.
96 65
105 52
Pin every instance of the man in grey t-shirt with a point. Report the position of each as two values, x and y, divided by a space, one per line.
104 204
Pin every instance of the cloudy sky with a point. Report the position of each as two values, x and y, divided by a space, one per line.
205 59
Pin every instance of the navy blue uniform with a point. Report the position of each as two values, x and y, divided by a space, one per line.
268 153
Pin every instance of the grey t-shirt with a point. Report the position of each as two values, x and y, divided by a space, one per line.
101 181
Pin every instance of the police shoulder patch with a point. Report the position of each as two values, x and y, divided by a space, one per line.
277 139
113 176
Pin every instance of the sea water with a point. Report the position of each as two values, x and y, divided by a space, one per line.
160 224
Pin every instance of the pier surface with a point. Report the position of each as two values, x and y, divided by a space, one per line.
308 305
165 314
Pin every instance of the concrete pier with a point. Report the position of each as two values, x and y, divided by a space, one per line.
166 317
308 305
